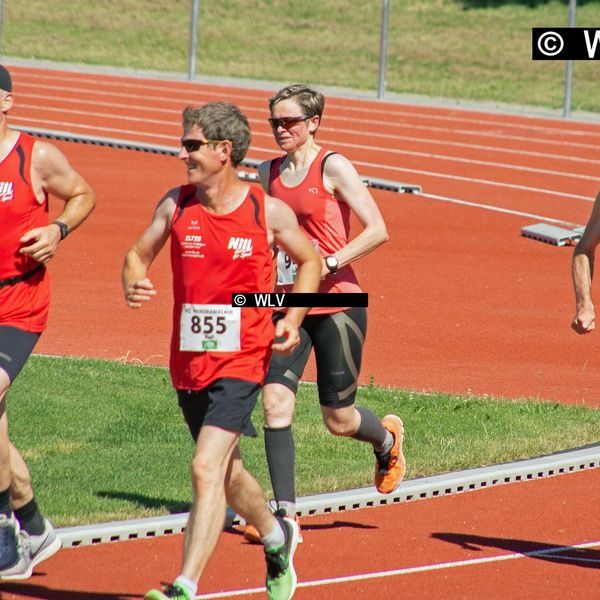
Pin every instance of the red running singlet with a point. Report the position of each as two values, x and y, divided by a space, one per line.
213 256
324 219
24 304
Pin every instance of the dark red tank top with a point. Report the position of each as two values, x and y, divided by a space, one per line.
213 256
24 304
324 219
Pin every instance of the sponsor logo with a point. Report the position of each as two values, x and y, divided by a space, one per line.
192 238
7 191
242 247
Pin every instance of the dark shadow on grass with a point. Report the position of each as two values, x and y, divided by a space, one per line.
40 592
171 506
566 555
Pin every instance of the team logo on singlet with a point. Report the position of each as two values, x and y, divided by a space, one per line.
7 191
242 247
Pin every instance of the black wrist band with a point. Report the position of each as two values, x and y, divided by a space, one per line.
64 230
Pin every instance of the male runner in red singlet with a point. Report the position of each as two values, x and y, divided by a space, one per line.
30 170
323 189
222 234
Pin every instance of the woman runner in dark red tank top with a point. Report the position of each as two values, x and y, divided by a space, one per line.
323 188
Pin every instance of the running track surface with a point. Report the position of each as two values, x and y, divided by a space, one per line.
459 302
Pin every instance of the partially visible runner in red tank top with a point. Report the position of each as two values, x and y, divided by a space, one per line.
24 304
213 256
324 219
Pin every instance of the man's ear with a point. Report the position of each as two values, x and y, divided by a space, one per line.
6 102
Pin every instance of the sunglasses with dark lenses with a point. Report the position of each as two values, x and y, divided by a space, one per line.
286 122
192 145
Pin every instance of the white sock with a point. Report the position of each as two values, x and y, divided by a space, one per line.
188 585
275 539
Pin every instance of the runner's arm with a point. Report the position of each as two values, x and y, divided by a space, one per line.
136 285
52 174
285 232
583 271
341 179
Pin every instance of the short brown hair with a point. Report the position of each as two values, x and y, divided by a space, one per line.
310 101
221 121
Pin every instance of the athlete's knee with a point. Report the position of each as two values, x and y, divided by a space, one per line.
279 403
204 473
340 421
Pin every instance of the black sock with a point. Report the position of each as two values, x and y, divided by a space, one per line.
5 508
371 430
30 518
281 458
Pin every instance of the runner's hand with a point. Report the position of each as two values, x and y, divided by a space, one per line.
41 243
287 337
584 320
139 292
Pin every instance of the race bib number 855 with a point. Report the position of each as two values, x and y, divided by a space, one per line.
210 328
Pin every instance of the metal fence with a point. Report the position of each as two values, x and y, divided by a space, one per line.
195 31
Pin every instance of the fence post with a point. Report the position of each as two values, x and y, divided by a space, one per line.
383 48
569 66
193 39
1 22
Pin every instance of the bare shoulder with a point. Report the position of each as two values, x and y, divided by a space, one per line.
167 203
337 165
278 213
47 157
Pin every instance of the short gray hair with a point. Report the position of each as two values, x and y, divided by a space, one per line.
221 121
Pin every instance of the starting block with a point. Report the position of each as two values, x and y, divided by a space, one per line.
550 234
391 186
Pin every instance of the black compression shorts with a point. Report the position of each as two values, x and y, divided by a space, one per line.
15 347
338 340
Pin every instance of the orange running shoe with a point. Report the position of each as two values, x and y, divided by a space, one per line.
390 467
251 534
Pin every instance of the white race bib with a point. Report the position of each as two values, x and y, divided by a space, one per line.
287 269
210 328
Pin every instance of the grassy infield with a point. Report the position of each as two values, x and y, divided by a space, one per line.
106 441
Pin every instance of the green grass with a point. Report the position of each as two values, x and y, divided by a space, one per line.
106 441
469 49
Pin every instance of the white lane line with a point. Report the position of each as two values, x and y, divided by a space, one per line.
387 150
499 209
543 553
397 110
412 126
176 112
475 180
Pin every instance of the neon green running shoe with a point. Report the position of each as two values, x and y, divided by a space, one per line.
170 592
281 577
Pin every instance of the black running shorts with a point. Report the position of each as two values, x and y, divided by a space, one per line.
226 403
15 347
338 340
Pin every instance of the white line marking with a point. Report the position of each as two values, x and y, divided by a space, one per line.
387 150
508 211
372 108
388 136
411 126
545 552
